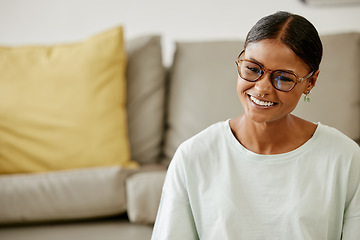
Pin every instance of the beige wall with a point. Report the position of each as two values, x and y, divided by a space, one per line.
52 21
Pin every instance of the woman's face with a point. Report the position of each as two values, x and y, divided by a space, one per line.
261 101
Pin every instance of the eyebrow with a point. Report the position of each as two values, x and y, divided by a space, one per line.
262 65
254 60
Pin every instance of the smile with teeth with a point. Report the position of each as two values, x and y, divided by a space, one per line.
261 103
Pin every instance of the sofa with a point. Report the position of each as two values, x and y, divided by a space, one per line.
88 128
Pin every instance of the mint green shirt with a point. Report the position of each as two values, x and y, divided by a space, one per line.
217 189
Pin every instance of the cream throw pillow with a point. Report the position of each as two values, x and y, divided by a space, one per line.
63 106
146 86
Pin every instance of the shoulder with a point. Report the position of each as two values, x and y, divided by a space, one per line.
208 137
197 151
333 136
332 142
205 145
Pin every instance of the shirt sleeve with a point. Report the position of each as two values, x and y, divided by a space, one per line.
351 228
174 218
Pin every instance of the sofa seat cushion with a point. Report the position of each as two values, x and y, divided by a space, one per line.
63 195
143 193
105 229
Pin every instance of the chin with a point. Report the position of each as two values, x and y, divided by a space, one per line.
265 118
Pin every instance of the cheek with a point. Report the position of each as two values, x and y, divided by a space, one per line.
289 100
295 94
238 86
242 86
240 90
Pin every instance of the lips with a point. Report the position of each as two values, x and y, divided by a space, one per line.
260 102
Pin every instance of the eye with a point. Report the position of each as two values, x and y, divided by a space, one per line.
253 69
249 71
284 77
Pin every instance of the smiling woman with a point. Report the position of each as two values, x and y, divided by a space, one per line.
266 174
290 45
281 131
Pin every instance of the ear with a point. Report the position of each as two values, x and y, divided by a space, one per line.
311 82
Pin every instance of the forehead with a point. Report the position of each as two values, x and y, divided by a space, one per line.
274 54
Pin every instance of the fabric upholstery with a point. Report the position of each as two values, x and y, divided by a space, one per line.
335 100
97 191
145 98
202 89
103 229
62 195
143 192
63 106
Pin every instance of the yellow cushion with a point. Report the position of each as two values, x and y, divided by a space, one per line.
63 106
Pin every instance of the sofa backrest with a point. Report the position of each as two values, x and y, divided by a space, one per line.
335 100
203 88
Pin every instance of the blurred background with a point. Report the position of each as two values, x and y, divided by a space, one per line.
24 22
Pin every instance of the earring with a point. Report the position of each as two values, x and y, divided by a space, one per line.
307 97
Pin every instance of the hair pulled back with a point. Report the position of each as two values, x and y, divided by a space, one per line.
294 31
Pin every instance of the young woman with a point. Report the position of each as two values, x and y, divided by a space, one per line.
266 174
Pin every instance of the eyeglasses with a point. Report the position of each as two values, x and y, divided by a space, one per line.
281 80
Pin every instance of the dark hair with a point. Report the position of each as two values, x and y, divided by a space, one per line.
294 31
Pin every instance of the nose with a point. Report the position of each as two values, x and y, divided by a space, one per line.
263 85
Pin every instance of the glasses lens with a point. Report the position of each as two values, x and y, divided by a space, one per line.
283 81
249 71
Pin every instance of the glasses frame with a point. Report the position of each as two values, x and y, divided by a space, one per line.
264 70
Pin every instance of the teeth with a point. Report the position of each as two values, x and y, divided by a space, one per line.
261 103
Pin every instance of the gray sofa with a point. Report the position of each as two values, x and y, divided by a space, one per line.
165 106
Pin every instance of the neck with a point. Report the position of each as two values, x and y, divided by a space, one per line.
275 137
